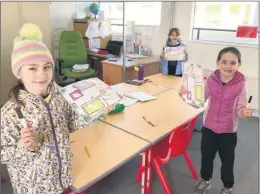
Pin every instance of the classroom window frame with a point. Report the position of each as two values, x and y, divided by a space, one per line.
196 31
118 22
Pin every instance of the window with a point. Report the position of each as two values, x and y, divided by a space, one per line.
141 13
218 22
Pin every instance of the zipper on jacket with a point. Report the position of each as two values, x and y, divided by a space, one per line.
55 142
220 102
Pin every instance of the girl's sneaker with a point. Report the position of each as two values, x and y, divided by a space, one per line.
202 187
226 191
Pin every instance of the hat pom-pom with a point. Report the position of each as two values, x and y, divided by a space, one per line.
31 31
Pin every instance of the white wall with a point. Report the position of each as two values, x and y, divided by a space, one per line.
205 54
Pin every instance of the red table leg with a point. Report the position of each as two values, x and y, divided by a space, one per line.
149 171
144 175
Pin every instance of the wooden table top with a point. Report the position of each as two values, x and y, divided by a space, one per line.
166 80
149 88
109 148
168 111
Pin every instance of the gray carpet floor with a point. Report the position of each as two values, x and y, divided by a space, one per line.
122 181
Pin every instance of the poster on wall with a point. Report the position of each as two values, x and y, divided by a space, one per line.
193 84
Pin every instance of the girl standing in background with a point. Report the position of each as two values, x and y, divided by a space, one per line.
172 67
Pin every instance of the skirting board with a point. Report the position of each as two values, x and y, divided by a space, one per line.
255 113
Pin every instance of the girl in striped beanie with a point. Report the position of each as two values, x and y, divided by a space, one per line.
36 121
32 62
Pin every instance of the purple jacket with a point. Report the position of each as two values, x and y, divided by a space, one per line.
225 102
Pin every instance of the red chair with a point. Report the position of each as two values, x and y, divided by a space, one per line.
172 146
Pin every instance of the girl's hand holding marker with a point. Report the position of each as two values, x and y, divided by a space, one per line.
246 112
29 137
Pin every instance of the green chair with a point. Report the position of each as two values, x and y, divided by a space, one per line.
72 51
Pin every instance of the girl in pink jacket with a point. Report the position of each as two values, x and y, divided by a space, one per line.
225 90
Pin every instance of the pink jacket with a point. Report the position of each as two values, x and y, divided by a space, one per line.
225 102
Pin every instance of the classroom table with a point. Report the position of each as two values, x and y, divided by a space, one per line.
108 149
168 111
166 80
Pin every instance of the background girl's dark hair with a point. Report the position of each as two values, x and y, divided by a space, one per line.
14 91
231 49
176 30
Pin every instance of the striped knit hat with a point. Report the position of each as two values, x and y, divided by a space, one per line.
28 48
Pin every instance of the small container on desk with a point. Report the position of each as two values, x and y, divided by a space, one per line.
141 72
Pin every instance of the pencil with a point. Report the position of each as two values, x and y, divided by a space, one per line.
149 122
86 149
250 99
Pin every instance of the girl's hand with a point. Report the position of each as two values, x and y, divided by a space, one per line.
29 138
181 91
246 112
163 54
108 109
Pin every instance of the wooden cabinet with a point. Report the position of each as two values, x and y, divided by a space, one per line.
82 25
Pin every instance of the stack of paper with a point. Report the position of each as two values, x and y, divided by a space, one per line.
80 68
94 50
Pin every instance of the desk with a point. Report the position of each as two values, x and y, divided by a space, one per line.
113 71
167 111
109 148
166 80
148 88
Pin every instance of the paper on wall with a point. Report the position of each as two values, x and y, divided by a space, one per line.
104 30
94 43
92 30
